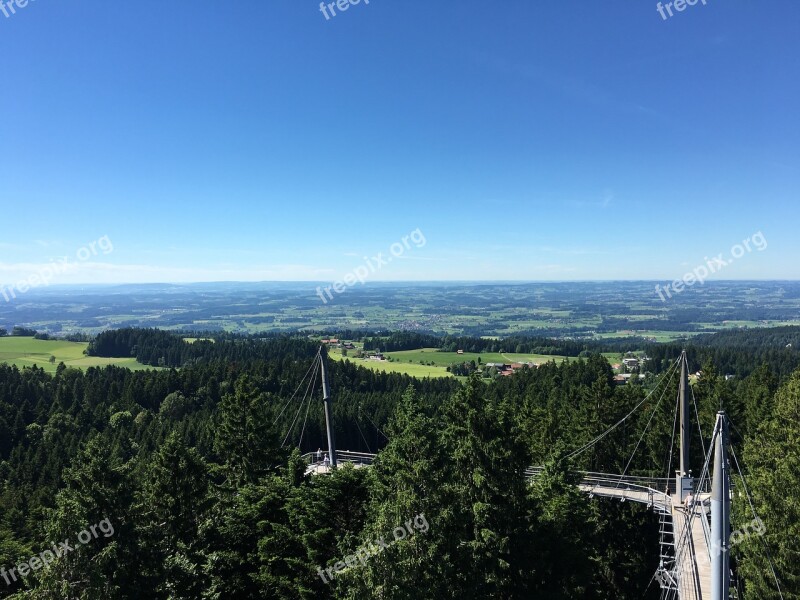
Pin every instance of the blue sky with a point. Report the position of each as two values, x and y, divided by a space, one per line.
256 140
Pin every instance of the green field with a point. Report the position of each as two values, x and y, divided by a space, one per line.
191 340
415 362
385 366
658 336
444 359
26 352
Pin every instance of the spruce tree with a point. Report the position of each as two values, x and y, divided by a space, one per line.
98 490
406 486
244 439
485 495
175 503
772 461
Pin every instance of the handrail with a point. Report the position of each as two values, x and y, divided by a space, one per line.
343 456
658 484
653 486
655 497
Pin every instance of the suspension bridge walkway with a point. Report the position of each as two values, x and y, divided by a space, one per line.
683 536
693 512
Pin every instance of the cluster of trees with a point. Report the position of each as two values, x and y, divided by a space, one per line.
160 348
149 346
753 339
736 353
463 368
19 331
192 468
405 340
733 352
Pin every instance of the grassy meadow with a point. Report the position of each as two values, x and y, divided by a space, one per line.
444 359
417 362
384 366
27 351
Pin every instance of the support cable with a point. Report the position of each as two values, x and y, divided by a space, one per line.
311 366
652 579
623 419
308 407
378 429
300 408
650 420
697 416
703 476
366 443
674 431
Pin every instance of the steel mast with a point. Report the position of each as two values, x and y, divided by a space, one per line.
684 479
327 400
721 514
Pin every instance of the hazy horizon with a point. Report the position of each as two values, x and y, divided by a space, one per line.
309 282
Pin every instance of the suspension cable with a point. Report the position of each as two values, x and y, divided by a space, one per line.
650 420
285 406
300 408
308 407
623 419
366 443
697 416
674 432
378 429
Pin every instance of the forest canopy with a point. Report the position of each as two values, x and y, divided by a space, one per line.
199 471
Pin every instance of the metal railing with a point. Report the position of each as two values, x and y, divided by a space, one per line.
659 484
656 491
342 456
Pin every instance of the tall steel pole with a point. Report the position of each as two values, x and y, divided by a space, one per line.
721 515
684 481
327 399
685 416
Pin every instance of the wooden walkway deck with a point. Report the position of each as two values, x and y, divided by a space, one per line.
692 555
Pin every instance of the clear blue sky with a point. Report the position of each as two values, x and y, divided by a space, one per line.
256 140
